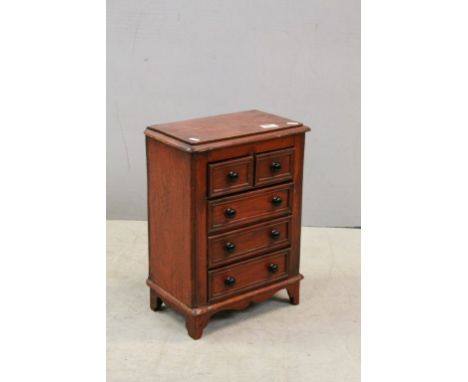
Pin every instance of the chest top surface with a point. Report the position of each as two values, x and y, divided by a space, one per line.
224 127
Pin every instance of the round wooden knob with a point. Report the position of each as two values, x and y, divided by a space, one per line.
272 268
276 200
233 176
229 281
275 234
230 212
229 247
275 166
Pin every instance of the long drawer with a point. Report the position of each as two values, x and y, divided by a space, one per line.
242 243
246 275
253 206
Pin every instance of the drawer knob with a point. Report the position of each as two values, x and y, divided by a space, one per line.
272 268
275 166
275 234
276 200
232 176
230 212
229 247
229 281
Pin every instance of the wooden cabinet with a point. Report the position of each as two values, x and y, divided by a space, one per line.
224 212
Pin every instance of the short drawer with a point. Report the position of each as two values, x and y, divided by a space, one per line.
273 167
233 211
245 242
247 275
230 176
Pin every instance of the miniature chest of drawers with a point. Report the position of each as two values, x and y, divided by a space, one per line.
224 212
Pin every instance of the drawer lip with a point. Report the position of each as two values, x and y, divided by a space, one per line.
282 176
230 259
281 211
249 181
263 282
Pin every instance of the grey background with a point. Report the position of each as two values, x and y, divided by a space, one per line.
173 60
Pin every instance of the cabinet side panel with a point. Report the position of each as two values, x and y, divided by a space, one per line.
169 219
199 228
297 204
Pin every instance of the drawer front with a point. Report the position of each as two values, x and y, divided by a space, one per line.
247 275
254 206
245 242
230 176
274 167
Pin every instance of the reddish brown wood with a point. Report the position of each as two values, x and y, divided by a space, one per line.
226 144
293 293
199 257
169 205
195 325
238 302
221 179
247 275
216 152
264 167
249 207
226 126
297 205
249 241
188 227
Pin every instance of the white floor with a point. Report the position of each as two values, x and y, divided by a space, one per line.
318 340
